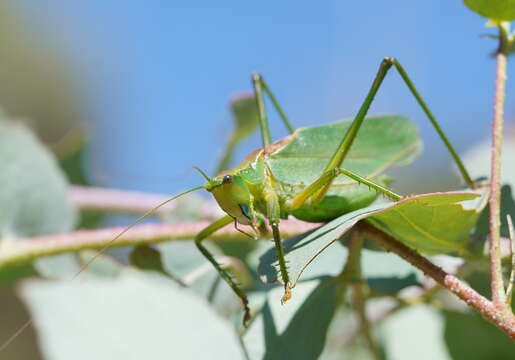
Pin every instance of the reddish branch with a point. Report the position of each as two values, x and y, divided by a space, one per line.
98 199
26 250
497 284
502 319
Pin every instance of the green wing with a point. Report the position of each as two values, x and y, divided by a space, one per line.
382 142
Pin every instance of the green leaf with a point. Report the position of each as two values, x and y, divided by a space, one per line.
62 266
72 162
392 284
134 316
386 273
488 341
493 9
438 223
12 274
511 45
383 141
327 263
246 119
147 258
103 264
33 190
246 115
184 262
297 330
430 223
477 159
343 341
507 207
67 266
182 257
478 278
416 333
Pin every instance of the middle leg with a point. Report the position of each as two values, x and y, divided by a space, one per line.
311 191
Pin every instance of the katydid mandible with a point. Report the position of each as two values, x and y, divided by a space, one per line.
302 175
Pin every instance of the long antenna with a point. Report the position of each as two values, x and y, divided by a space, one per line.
102 251
131 225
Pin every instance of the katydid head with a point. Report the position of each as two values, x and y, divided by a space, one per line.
233 195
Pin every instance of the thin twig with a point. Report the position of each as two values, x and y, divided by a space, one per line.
502 319
28 249
509 289
497 284
105 200
376 317
352 273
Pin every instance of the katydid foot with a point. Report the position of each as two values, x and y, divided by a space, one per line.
287 293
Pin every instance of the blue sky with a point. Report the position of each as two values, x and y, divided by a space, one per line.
159 74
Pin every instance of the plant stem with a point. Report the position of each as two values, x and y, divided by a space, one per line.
375 318
502 319
497 284
25 250
99 199
511 281
352 273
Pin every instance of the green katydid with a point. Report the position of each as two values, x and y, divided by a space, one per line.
302 174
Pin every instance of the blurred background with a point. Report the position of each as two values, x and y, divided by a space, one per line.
150 82
146 85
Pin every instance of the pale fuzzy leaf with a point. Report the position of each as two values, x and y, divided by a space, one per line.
135 316
415 333
489 342
297 329
33 190
477 159
183 260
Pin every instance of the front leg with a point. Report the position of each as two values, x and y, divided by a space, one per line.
226 220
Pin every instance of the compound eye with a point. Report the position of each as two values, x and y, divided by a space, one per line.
227 179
